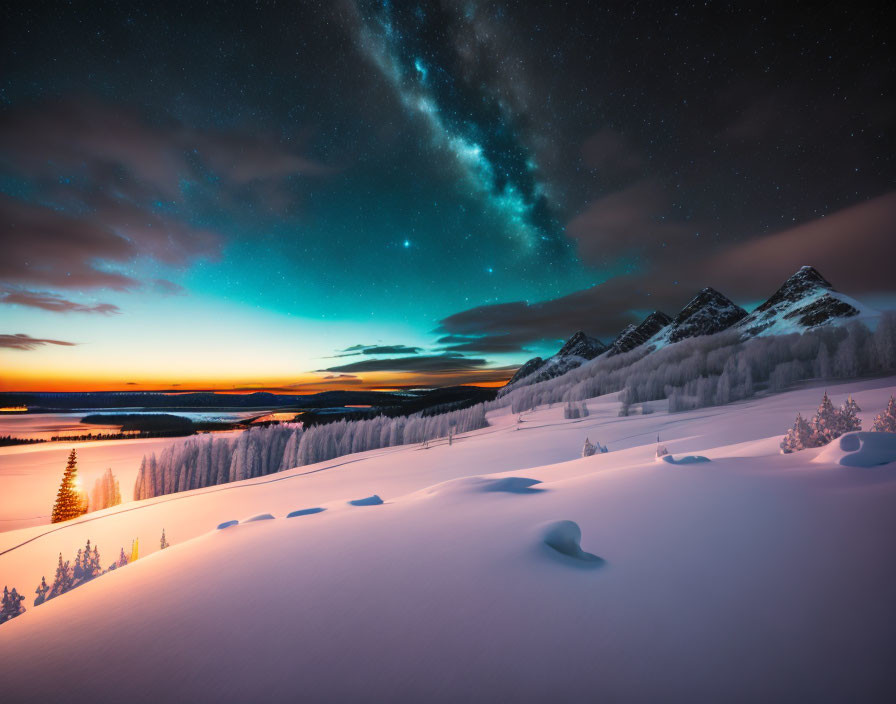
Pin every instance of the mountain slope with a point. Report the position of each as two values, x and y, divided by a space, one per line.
577 350
806 300
634 336
707 313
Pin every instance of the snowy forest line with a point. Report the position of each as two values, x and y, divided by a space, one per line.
693 373
717 369
206 460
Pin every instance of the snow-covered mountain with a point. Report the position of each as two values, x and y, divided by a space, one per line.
633 336
707 313
528 368
577 350
806 300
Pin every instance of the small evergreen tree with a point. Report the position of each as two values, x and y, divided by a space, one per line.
41 592
849 420
589 449
135 548
885 422
122 559
164 541
69 502
78 568
799 437
825 425
64 579
11 606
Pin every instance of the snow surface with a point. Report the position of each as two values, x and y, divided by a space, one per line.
30 474
501 568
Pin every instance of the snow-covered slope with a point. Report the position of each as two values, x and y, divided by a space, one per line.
806 300
502 567
577 350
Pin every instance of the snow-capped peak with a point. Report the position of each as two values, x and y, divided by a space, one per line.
805 300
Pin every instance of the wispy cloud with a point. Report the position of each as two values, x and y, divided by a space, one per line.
26 342
54 303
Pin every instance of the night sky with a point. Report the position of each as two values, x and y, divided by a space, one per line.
300 196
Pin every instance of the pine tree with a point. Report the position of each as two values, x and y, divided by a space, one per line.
849 421
69 502
164 541
799 437
588 449
78 569
41 592
64 579
11 606
122 559
825 424
135 548
885 422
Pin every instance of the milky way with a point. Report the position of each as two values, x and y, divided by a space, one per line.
438 60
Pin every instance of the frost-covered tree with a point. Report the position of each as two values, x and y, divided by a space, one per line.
825 424
122 559
69 502
64 579
588 449
11 606
885 422
41 592
105 492
163 543
849 420
799 437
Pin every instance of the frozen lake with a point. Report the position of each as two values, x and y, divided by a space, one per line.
47 425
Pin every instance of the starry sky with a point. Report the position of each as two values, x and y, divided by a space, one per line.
348 194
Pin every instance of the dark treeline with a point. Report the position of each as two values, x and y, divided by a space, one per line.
141 421
7 440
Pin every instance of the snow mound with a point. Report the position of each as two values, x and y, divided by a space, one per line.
860 449
374 500
564 537
305 512
687 459
512 485
482 485
227 524
259 517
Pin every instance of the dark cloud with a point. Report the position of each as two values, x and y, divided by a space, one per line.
391 349
108 188
745 272
496 344
611 154
26 342
443 363
52 302
629 222
355 350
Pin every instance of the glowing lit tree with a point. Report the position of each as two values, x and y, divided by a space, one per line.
69 501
